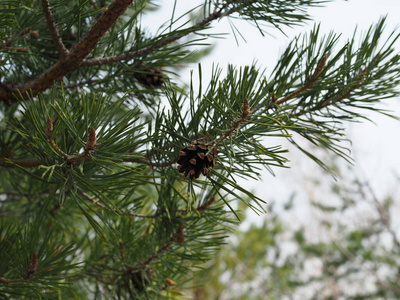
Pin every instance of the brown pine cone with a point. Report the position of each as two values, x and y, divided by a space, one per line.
194 160
150 77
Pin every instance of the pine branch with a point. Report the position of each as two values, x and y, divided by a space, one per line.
75 58
72 60
53 30
145 51
338 98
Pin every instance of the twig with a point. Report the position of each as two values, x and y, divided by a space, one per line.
383 213
309 82
89 148
232 129
32 266
8 42
348 91
48 132
87 82
123 212
22 162
121 250
53 30
5 280
207 204
145 264
338 98
94 4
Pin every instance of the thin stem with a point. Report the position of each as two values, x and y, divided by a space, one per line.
5 280
53 30
145 264
309 82
348 91
383 213
338 98
31 271
22 162
122 250
233 128
118 211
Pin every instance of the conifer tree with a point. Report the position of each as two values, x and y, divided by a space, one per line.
119 182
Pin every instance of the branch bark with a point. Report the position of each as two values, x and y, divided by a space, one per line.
72 60
53 30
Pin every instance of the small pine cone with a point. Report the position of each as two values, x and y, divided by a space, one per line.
194 160
34 34
150 77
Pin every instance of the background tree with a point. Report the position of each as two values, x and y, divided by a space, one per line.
350 249
97 130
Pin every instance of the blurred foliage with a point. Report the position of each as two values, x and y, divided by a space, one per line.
331 257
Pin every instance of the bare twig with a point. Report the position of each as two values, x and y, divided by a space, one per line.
383 213
53 30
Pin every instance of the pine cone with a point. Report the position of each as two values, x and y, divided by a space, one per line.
194 160
150 77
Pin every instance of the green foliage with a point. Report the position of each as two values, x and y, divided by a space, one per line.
94 119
